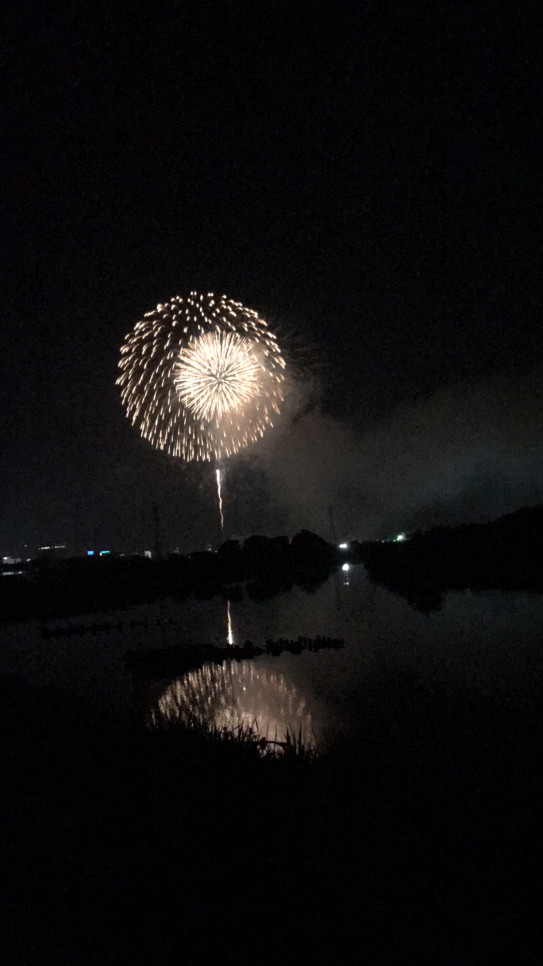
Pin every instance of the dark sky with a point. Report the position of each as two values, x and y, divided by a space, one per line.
365 175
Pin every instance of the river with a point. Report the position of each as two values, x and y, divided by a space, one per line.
481 644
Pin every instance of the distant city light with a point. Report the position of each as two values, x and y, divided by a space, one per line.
102 552
346 567
90 553
344 546
400 537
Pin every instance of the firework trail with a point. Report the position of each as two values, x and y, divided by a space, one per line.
202 377
219 497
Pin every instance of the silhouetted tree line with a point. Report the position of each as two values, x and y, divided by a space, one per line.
82 585
504 554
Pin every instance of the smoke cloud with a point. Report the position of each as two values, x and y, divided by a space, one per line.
466 453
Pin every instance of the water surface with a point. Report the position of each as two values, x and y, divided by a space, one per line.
483 644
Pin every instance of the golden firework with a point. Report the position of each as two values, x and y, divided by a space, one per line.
201 376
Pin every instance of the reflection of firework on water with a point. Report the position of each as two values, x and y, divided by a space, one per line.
201 377
231 695
229 629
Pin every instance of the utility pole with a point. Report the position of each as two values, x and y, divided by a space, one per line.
331 528
156 515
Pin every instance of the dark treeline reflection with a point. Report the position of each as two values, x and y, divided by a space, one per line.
264 565
505 554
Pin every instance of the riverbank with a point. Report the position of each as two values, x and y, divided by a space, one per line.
418 836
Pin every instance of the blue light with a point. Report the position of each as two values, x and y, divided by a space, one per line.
90 553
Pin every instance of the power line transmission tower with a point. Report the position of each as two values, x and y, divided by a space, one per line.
331 526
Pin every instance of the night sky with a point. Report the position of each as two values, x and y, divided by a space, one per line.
365 175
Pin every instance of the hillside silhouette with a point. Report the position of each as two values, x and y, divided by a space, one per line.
503 554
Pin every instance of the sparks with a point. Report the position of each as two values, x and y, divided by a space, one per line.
200 376
217 374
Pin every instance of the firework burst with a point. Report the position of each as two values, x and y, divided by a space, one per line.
201 377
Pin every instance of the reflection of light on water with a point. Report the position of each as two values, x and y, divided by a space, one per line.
229 695
229 632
